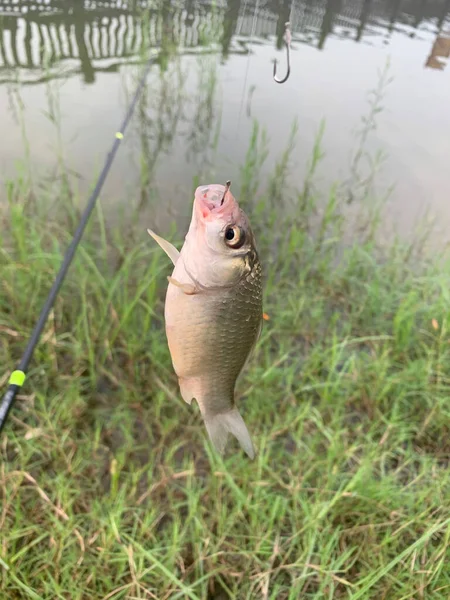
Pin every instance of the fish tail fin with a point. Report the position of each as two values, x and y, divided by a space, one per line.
220 425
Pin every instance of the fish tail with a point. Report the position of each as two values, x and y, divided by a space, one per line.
221 424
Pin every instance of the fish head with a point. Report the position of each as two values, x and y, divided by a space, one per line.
220 240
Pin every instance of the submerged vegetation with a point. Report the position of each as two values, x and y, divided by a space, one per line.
109 488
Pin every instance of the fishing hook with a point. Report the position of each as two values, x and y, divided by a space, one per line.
227 187
287 41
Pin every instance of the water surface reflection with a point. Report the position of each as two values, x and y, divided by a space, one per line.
212 78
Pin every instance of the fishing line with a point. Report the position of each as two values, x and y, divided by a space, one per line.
248 59
252 35
18 376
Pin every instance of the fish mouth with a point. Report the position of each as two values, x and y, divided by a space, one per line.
213 199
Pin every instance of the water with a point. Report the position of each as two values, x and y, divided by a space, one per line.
197 117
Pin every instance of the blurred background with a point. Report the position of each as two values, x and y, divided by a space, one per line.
75 63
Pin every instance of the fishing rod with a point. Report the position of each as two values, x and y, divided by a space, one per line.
17 378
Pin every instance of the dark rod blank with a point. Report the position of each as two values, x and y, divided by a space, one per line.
18 376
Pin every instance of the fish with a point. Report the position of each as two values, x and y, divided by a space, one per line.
214 310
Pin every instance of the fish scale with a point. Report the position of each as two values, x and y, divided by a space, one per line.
214 334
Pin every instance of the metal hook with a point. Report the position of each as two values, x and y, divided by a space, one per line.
287 40
227 187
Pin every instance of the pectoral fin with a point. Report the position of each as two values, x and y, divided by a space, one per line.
188 288
168 248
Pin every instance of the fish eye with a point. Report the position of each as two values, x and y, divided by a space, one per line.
234 236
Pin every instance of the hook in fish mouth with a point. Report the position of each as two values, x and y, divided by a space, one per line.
227 187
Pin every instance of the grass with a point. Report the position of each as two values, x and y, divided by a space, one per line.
108 486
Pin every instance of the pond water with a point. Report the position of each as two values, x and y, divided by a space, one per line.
78 61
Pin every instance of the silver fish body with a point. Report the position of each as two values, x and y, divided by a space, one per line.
213 316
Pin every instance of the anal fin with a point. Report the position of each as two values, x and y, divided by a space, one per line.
188 388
